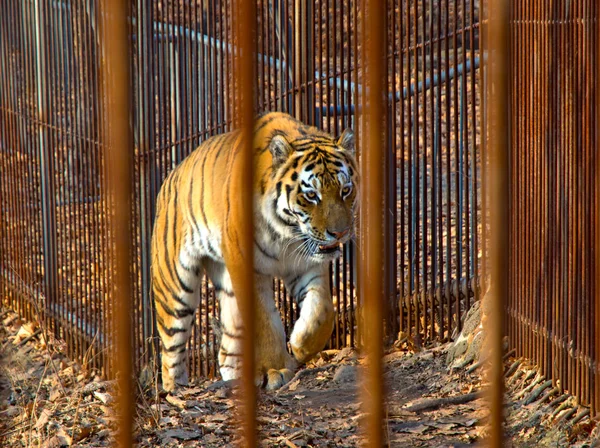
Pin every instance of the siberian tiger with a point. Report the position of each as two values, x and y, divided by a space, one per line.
305 194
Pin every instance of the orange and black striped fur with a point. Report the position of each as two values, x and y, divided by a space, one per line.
305 193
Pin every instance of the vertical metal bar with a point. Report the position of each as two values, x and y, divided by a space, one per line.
120 144
403 53
474 246
409 169
242 276
372 195
497 113
390 202
45 155
596 187
448 169
465 152
423 176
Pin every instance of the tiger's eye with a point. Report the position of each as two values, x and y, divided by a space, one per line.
311 195
346 190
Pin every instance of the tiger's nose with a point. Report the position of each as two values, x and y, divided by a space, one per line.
339 235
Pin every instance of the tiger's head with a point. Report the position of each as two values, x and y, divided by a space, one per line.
315 191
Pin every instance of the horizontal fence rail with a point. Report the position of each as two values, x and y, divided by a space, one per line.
55 230
552 309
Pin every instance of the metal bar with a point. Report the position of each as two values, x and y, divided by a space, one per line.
116 72
47 174
372 197
596 187
497 144
242 275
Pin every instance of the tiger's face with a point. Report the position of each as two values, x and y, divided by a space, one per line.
317 192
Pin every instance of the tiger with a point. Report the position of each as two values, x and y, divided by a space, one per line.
305 192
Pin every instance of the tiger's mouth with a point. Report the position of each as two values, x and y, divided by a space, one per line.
329 248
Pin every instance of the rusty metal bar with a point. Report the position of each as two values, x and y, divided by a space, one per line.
496 104
595 349
119 158
372 209
242 275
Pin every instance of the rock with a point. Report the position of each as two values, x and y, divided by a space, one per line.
229 384
181 434
224 392
472 319
474 349
345 373
468 344
344 353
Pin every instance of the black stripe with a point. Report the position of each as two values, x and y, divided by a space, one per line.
264 252
265 122
179 348
307 285
169 331
202 182
183 284
301 299
171 292
226 353
283 221
211 250
219 289
173 312
168 259
292 284
231 335
190 194
177 364
229 366
193 269
272 231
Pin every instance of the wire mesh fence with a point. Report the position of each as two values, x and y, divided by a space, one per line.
56 241
553 302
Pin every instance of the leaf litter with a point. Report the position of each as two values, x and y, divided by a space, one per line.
427 404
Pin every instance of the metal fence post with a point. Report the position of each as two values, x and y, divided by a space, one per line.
596 283
242 273
498 147
116 72
372 275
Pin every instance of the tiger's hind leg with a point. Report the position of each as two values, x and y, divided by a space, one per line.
174 284
231 327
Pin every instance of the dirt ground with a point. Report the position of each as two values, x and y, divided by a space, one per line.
48 401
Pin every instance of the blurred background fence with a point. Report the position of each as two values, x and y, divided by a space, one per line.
56 238
55 235
554 301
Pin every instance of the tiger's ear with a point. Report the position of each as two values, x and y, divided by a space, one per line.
346 140
280 149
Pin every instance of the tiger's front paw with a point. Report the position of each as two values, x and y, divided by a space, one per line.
274 378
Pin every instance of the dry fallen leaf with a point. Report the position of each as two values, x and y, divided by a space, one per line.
104 397
176 401
43 419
